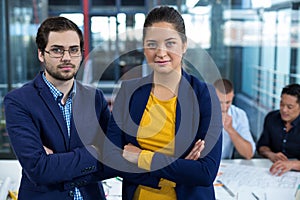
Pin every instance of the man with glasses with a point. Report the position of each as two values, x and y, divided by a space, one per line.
280 138
51 124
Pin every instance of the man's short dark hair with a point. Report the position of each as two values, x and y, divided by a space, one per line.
56 24
293 90
223 85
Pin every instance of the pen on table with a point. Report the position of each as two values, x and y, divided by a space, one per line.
255 196
218 184
226 188
13 195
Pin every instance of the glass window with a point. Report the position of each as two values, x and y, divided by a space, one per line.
264 84
18 52
284 50
295 42
4 147
242 34
198 28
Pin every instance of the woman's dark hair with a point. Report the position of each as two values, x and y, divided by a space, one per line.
55 24
293 90
166 14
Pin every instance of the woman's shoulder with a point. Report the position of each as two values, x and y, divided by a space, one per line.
135 86
136 82
196 82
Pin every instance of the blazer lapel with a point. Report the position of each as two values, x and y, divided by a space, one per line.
84 115
53 107
141 91
187 106
187 116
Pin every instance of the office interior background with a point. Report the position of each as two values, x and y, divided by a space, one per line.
254 43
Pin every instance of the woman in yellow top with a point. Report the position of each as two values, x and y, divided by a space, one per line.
160 122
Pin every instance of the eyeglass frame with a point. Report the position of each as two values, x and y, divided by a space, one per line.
63 53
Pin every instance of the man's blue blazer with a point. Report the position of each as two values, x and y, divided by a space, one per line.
34 120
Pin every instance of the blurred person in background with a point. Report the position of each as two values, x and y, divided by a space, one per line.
280 138
236 130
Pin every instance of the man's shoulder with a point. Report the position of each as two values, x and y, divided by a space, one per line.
273 114
237 110
29 87
25 89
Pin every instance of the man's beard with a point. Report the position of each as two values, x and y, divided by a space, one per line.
61 76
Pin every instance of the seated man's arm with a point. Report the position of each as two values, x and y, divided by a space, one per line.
268 153
243 146
280 167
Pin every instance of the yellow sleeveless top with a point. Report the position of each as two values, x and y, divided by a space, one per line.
156 133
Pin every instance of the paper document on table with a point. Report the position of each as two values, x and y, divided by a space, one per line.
5 186
113 188
255 183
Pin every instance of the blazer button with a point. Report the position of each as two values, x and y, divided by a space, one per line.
71 193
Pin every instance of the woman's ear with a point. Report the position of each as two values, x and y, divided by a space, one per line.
184 47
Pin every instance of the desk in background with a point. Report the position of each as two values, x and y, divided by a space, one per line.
251 180
10 176
256 162
113 186
11 170
256 172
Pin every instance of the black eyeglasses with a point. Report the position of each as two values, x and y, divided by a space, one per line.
58 52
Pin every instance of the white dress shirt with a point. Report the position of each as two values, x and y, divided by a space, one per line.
240 123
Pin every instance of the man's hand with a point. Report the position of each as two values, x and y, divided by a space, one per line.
48 151
280 167
196 151
131 153
227 121
274 157
266 152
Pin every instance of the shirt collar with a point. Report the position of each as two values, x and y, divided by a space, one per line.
293 123
296 121
55 92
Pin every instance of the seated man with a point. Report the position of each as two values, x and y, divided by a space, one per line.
236 131
280 138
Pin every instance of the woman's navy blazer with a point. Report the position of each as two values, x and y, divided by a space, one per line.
198 116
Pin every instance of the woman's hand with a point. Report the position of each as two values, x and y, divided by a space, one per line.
131 153
196 151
